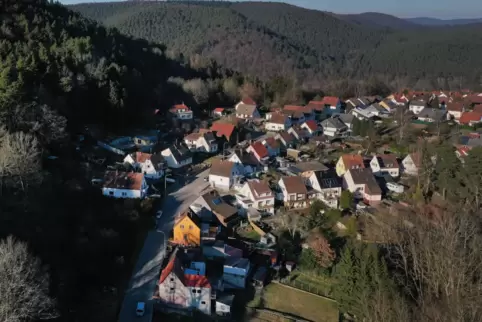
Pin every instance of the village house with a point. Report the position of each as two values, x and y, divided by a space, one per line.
151 165
201 142
364 113
363 185
211 207
332 105
225 130
259 151
311 127
219 250
181 112
347 119
187 229
431 115
299 133
412 163
327 186
385 164
454 110
235 272
334 127
177 156
399 99
224 302
317 107
349 161
223 174
246 109
278 122
246 162
124 185
273 146
184 291
416 106
287 140
256 194
219 111
296 117
295 194
470 118
307 111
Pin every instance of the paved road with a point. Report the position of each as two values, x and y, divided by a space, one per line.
146 272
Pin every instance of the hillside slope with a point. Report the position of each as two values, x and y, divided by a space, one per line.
378 20
273 39
434 22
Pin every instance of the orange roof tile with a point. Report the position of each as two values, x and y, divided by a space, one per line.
223 129
468 117
352 161
260 149
201 281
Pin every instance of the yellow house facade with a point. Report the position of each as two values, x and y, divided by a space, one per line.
187 231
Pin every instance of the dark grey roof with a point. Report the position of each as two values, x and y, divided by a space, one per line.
418 102
158 161
237 262
328 180
209 137
226 299
433 113
346 118
180 152
333 122
365 176
308 166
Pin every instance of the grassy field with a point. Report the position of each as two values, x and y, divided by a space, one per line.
284 299
309 280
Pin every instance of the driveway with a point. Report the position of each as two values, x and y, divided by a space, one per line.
146 272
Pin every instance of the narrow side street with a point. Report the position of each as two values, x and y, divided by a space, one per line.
146 272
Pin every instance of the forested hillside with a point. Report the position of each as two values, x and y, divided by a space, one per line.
59 72
316 48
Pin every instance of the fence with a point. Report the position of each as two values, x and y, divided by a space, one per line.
306 287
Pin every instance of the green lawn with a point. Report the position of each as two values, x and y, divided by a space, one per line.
310 280
304 305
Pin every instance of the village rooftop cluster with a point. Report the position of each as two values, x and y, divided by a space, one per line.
260 165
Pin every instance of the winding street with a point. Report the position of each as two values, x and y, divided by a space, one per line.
146 272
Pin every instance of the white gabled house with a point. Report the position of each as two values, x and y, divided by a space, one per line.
311 127
411 164
223 174
201 142
278 122
118 184
363 185
151 165
246 109
246 162
181 112
177 156
256 194
385 164
295 194
259 151
327 187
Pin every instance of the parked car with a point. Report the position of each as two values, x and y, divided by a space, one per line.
141 308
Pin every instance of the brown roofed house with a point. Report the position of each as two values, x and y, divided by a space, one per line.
295 192
363 185
124 185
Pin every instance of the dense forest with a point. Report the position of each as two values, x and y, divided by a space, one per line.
72 248
315 48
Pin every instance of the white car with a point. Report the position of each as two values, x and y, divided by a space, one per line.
141 308
159 214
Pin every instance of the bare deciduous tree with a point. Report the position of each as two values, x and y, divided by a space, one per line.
19 159
441 260
24 285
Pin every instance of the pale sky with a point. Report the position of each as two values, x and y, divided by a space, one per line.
444 9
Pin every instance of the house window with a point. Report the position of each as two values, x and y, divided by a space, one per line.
172 288
190 227
182 226
124 194
111 193
199 291
172 279
194 291
203 302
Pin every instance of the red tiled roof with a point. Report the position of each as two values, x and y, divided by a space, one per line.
293 108
180 107
172 266
456 107
260 149
141 157
223 129
278 118
248 101
218 109
330 100
352 161
463 151
477 109
123 180
468 117
475 99
312 125
272 142
196 281
192 136
294 185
